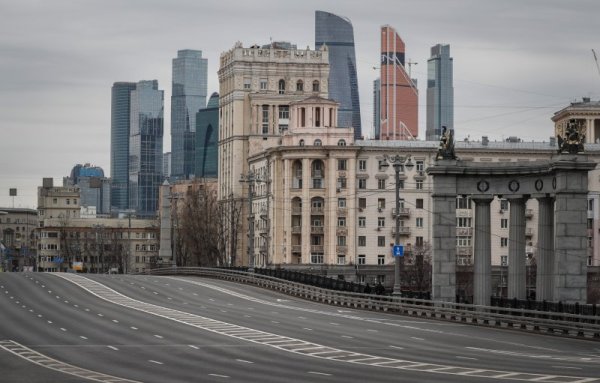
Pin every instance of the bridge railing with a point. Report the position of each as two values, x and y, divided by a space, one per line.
564 324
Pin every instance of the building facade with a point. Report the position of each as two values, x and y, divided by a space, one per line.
190 77
586 112
257 86
337 34
119 143
57 202
145 148
440 92
98 245
399 94
17 239
207 138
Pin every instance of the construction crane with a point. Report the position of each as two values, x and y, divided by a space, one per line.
596 59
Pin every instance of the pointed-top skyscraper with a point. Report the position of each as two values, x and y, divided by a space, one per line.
337 33
440 92
399 94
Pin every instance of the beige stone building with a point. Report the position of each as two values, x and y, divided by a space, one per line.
586 112
257 85
57 201
17 239
98 245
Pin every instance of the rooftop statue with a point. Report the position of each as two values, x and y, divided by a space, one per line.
446 149
574 138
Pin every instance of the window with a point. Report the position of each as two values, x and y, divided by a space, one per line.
463 241
381 184
302 117
341 202
420 166
380 222
419 222
381 259
463 202
362 241
380 279
299 86
360 278
281 86
362 203
316 258
68 201
383 165
590 204
247 83
590 223
342 164
463 222
419 184
419 241
341 183
341 240
503 242
341 221
504 260
265 119
341 260
318 142
504 223
419 203
341 143
263 84
362 183
381 241
284 112
54 201
362 222
362 259
362 165
301 143
381 203
503 204
315 86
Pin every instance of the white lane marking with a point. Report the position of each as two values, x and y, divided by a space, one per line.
155 292
49 322
298 346
416 338
308 329
371 330
113 348
116 321
76 306
334 324
397 347
274 321
194 347
87 310
133 328
82 337
318 373
301 318
143 288
347 337
219 376
63 329
244 361
247 316
40 315
195 294
567 367
155 361
210 299
66 301
465 357
158 336
100 315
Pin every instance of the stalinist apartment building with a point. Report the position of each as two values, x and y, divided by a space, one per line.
256 86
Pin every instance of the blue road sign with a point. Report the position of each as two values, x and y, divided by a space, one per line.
398 251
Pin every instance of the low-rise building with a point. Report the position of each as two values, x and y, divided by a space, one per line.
17 239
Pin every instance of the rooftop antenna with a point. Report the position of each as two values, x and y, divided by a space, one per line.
411 63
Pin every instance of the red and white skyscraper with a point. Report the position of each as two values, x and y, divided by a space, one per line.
399 94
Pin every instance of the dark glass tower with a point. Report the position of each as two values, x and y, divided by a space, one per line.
119 144
440 92
188 96
145 148
207 138
337 33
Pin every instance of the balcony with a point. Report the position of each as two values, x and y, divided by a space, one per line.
528 213
316 248
404 212
342 211
464 231
341 249
316 229
296 210
296 248
529 232
341 231
296 229
316 210
464 213
403 230
464 251
464 261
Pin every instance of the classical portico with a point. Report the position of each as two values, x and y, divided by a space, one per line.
560 186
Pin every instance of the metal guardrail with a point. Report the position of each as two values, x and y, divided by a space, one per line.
563 324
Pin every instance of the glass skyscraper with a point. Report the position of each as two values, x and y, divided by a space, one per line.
440 92
188 96
145 148
337 33
207 139
119 144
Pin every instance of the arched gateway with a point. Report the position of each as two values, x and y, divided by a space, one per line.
560 185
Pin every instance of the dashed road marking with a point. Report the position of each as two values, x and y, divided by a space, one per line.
155 361
194 347
113 348
218 375
244 361
318 373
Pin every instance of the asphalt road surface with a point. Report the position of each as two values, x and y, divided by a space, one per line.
122 328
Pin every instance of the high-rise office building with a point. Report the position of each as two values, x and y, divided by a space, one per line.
399 94
440 92
145 148
207 139
338 35
94 187
377 108
188 96
119 143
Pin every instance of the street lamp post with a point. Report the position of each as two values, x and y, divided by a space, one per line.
398 162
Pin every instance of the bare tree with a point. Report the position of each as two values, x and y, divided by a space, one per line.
416 272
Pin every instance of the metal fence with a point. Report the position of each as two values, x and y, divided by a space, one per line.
554 307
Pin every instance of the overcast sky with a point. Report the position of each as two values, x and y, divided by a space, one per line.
515 64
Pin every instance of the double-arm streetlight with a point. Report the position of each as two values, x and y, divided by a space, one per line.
398 162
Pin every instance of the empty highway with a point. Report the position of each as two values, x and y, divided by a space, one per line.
124 328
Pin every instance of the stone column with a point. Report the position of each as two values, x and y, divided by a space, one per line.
545 249
516 248
165 250
444 237
482 281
